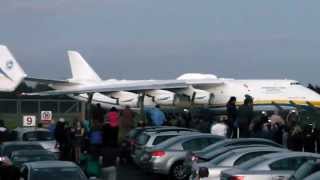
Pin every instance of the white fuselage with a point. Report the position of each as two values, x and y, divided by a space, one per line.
263 92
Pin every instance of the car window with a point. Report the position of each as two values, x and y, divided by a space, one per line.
143 139
249 156
197 144
251 163
160 139
292 163
37 136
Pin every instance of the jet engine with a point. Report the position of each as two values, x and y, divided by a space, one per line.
163 97
198 96
125 98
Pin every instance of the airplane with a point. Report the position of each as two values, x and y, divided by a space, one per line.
200 89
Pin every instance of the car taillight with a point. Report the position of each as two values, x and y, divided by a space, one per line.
158 154
237 178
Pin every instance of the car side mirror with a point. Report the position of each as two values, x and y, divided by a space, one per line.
203 172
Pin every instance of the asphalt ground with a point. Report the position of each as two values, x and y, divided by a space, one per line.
132 172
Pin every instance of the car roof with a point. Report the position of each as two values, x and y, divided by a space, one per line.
50 164
159 133
29 129
28 152
186 137
221 150
11 143
255 149
289 154
168 128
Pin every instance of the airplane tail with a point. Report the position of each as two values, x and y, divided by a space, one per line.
11 73
81 70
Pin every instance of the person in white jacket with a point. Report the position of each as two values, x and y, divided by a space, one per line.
220 128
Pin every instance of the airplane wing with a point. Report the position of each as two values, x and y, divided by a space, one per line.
126 86
48 81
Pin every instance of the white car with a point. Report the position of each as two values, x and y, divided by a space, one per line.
39 135
275 166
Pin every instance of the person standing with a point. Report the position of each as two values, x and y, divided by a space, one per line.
4 132
232 116
220 128
60 134
245 116
157 117
113 123
78 131
98 114
126 121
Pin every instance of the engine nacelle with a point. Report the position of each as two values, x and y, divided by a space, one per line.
125 98
163 97
198 96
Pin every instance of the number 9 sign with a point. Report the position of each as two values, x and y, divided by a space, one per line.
29 121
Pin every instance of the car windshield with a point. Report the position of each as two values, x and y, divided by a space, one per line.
57 174
143 139
9 149
37 136
31 158
251 163
220 158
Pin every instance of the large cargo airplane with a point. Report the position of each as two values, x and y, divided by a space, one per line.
201 89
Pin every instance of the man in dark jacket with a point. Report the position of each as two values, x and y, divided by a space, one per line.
245 116
232 116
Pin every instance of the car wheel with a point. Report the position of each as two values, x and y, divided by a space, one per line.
179 172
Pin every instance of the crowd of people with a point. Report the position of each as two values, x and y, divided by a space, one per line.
93 143
281 127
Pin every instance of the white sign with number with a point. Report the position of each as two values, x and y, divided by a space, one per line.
29 121
46 115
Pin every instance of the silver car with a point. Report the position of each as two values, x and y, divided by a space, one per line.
152 138
52 170
237 142
269 167
39 135
234 158
168 157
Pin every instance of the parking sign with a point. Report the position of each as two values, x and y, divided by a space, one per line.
46 116
29 121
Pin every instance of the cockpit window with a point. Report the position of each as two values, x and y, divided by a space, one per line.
295 83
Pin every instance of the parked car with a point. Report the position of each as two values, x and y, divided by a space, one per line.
51 170
237 142
306 170
23 156
167 157
269 167
40 135
7 148
233 158
151 138
130 140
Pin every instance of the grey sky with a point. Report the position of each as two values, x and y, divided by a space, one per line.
143 39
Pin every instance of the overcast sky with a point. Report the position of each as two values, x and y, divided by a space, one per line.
144 39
